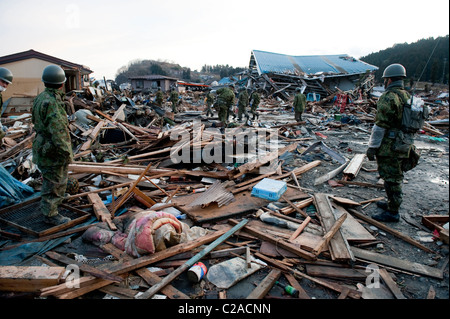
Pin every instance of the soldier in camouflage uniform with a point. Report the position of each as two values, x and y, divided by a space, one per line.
6 78
209 101
225 99
255 99
242 104
299 104
52 147
159 97
392 155
174 100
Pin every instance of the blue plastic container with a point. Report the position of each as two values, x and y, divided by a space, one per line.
270 189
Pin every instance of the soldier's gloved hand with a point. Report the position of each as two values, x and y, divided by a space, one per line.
371 152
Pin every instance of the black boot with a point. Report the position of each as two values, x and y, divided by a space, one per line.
387 216
382 204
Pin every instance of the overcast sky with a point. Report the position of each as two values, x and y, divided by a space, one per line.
106 35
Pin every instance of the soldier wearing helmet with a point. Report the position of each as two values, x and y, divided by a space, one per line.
392 148
52 147
6 78
299 104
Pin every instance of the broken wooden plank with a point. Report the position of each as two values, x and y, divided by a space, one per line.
390 283
265 285
294 283
339 248
328 284
329 235
227 252
389 230
344 201
84 267
361 184
93 136
298 210
260 161
243 203
351 229
435 222
335 272
397 263
279 242
300 229
101 211
29 278
354 166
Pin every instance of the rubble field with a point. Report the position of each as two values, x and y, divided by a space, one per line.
284 214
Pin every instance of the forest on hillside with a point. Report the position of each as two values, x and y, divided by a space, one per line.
152 67
426 60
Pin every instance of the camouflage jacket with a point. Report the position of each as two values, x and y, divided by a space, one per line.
174 97
243 99
159 97
255 99
209 99
389 116
52 145
225 97
299 102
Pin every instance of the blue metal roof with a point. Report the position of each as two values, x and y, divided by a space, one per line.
338 64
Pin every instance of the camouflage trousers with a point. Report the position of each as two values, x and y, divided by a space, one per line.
53 188
254 112
223 114
390 170
209 111
242 110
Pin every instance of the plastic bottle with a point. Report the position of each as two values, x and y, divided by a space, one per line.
289 289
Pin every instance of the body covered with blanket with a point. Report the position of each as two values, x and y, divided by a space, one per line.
144 233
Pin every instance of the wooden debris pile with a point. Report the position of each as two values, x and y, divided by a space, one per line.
124 163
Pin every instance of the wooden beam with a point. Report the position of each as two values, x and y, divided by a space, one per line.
300 229
354 166
397 263
92 137
29 278
101 211
389 230
279 242
339 247
265 285
294 283
390 283
329 235
84 267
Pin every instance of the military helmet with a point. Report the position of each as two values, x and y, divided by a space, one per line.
6 75
53 74
394 70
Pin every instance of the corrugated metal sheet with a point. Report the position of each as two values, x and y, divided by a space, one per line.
268 62
215 193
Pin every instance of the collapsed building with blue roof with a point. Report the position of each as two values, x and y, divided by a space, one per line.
317 75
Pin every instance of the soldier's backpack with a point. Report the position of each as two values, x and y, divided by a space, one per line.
414 115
